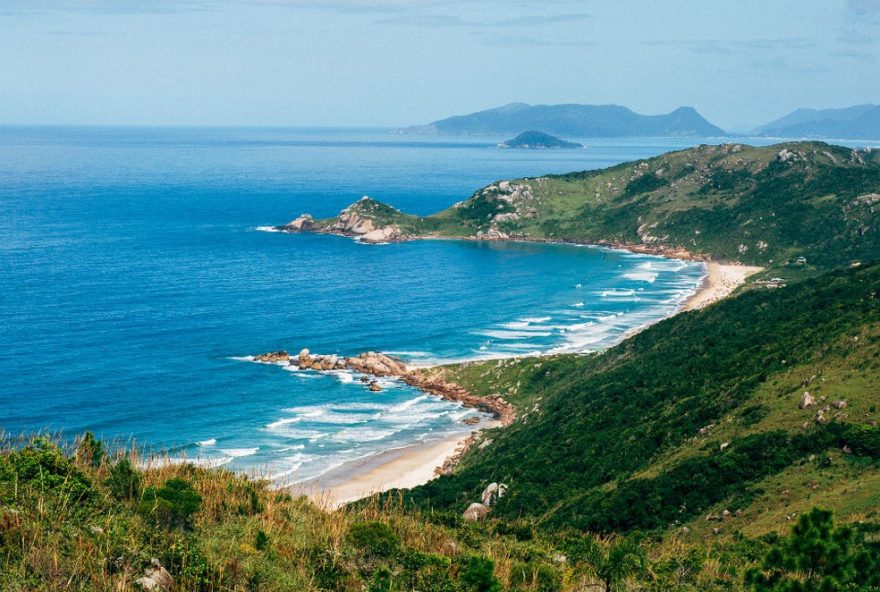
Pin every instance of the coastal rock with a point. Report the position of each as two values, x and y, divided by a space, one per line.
491 234
807 400
156 578
475 512
377 364
385 234
304 360
273 357
375 387
302 224
492 493
351 223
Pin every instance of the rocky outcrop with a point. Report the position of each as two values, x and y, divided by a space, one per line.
351 223
492 493
494 404
377 364
305 223
155 578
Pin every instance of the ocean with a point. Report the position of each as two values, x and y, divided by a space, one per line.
135 284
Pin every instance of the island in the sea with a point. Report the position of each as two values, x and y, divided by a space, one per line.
534 139
582 121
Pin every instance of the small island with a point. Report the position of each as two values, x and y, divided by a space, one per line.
538 140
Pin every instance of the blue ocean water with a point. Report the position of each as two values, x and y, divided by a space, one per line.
134 283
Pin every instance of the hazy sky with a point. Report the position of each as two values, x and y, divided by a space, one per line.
400 62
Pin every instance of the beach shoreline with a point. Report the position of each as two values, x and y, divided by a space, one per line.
415 465
720 281
400 468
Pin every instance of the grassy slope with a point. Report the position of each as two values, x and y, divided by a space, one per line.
613 441
62 528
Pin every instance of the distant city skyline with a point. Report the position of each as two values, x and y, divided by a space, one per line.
389 63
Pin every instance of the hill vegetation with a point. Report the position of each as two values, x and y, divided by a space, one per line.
797 209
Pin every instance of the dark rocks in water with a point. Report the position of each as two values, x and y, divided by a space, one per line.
538 140
273 357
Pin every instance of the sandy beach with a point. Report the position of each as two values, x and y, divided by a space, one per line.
401 468
721 280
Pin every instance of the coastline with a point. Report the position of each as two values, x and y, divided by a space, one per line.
415 465
400 468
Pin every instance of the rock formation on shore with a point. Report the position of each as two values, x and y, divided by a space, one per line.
382 365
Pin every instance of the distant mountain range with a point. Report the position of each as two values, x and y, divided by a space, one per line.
861 122
580 121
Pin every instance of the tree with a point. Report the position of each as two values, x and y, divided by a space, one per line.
89 450
816 556
612 561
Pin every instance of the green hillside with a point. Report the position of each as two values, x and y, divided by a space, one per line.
697 414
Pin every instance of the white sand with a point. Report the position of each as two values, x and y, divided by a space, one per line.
395 469
720 281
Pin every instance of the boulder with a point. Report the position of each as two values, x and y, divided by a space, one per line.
155 578
304 360
839 404
492 493
273 357
386 234
807 400
375 387
475 512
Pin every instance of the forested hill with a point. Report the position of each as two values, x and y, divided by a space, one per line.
700 414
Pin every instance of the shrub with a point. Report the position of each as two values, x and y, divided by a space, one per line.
261 541
124 481
43 466
540 577
374 538
173 504
479 576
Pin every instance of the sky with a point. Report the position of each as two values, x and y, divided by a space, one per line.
388 63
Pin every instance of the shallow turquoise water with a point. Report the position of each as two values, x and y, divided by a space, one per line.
134 282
